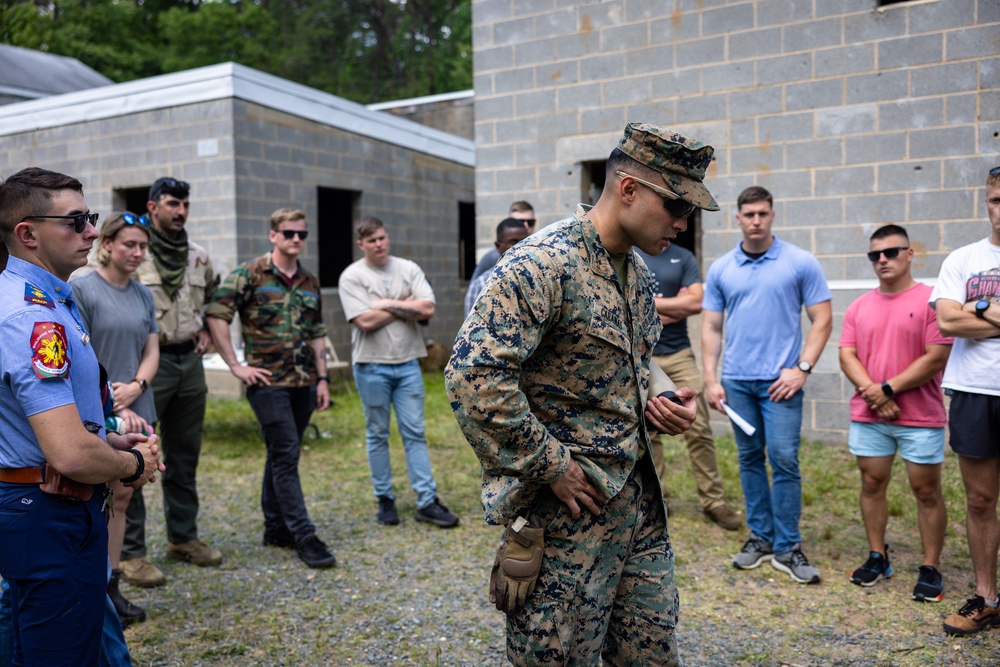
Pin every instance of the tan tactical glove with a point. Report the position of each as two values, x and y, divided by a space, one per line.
515 570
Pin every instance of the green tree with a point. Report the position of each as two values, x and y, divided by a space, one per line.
217 32
365 50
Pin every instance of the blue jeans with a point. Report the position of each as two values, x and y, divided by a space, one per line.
401 387
283 414
114 650
773 510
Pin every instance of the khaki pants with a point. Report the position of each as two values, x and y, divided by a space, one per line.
683 370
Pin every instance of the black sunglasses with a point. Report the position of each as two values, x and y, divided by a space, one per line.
890 253
80 220
994 171
672 202
290 233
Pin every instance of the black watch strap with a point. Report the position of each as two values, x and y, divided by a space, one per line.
887 389
140 467
323 378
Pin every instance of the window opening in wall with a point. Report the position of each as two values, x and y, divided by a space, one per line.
130 199
335 232
466 239
593 184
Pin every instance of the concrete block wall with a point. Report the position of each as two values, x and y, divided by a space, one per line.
852 115
281 160
243 162
133 151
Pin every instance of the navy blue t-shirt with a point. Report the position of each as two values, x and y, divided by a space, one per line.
675 268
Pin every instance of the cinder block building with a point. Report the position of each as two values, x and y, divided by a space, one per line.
250 143
853 113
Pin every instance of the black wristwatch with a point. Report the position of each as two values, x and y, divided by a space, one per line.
981 306
140 462
143 385
804 366
887 390
323 378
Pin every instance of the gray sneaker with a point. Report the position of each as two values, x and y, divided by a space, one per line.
795 564
754 552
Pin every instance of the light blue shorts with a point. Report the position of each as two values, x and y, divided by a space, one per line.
918 444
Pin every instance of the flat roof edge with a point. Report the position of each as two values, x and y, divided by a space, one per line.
227 80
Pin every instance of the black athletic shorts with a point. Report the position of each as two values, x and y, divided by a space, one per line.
974 421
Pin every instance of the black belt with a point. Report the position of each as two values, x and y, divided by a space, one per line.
178 348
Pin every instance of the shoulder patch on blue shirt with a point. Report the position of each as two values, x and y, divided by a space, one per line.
37 296
48 348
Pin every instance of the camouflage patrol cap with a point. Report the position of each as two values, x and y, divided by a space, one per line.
680 161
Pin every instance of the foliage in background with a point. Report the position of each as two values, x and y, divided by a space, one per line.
365 51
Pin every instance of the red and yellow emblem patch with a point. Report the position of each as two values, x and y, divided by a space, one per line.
49 356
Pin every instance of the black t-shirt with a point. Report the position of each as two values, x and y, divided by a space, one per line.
672 270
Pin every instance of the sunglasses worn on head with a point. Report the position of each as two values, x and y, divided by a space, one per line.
290 233
131 219
169 185
890 253
80 220
675 206
994 171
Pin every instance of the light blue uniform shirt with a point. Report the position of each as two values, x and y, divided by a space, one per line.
46 376
763 300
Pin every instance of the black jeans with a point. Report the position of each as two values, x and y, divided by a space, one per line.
283 413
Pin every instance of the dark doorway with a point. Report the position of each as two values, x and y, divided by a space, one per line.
466 239
335 227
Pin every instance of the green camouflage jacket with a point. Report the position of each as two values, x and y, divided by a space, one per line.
553 363
278 322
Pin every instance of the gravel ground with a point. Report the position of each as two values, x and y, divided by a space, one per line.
415 595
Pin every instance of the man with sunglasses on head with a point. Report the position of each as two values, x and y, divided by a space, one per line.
759 289
967 300
55 456
548 380
892 351
519 210
179 273
281 315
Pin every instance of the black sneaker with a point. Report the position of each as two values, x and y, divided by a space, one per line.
314 553
930 587
876 567
279 538
437 514
387 514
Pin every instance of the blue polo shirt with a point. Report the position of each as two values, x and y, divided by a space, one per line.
46 360
763 301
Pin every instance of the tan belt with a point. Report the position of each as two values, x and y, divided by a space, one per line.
49 480
23 475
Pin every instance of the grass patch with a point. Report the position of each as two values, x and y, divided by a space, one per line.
416 595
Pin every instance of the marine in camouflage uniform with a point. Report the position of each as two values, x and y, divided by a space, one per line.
549 376
281 314
179 273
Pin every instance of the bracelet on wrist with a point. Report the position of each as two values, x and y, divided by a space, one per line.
140 467
323 378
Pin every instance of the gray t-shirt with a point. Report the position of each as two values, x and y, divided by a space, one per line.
674 268
119 321
400 340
